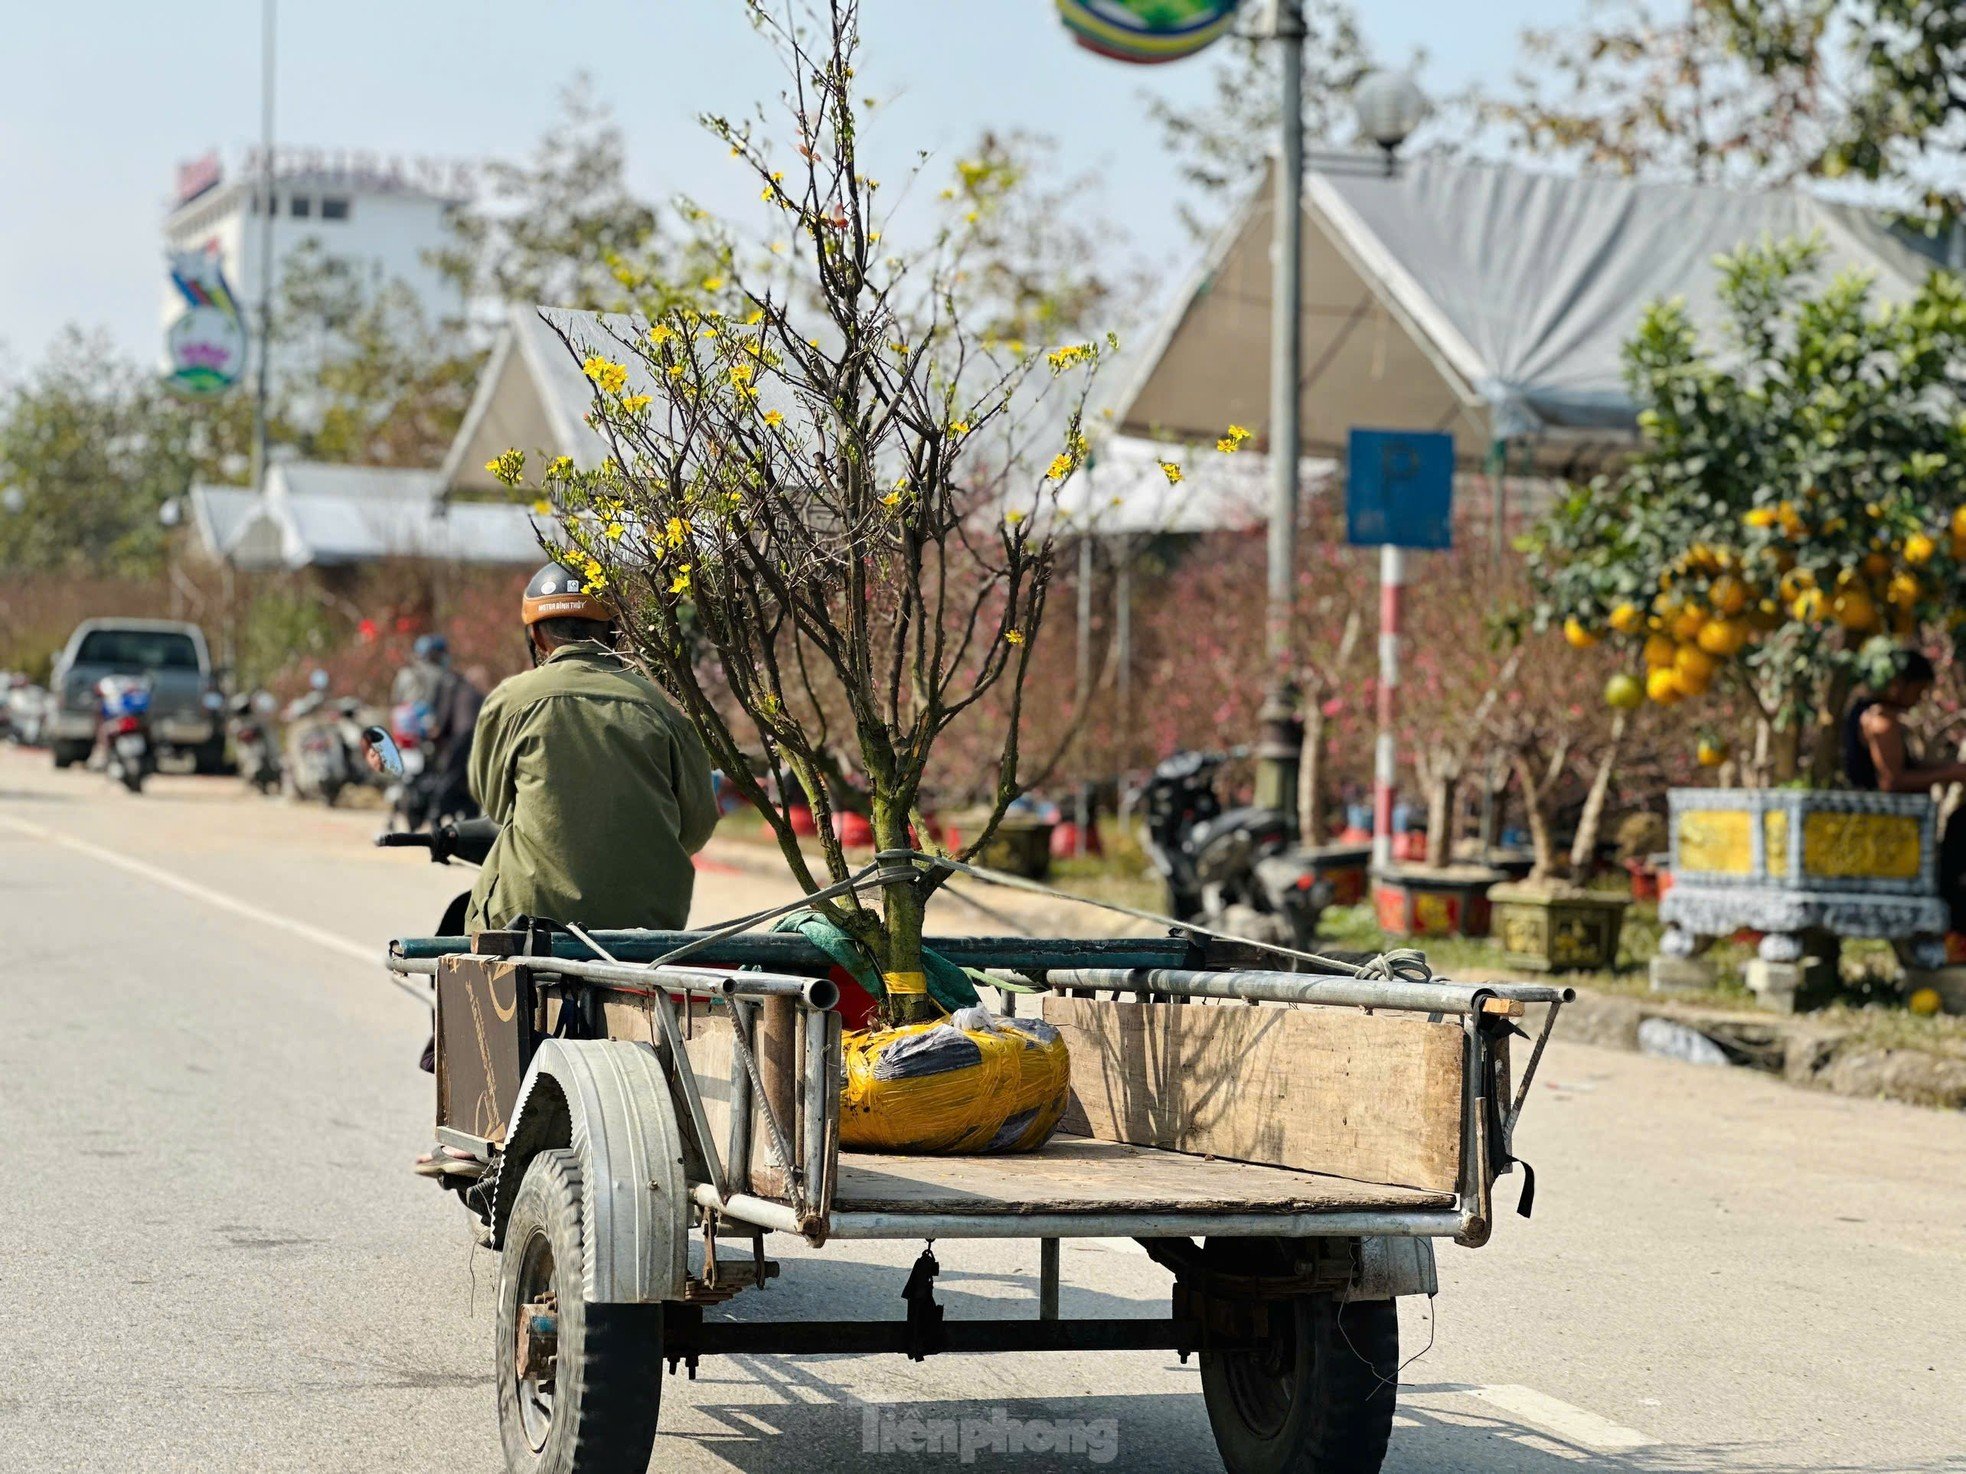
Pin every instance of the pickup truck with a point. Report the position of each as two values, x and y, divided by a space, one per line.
185 701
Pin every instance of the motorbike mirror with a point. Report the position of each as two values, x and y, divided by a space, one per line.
383 752
319 680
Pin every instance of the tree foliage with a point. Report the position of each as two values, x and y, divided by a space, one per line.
1794 512
1755 91
552 228
820 513
91 447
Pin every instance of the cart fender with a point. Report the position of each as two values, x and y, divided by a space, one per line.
1390 1267
609 1101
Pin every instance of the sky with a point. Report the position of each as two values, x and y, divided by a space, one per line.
102 100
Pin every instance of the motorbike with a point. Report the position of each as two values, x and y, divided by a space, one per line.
324 740
408 792
1234 870
254 746
129 755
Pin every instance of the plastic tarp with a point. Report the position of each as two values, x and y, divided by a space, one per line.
1485 300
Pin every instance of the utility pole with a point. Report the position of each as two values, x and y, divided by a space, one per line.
1279 752
264 189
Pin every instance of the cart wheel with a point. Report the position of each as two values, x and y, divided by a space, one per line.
579 1385
1316 1398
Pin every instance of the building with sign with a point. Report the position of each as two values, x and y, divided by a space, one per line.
388 215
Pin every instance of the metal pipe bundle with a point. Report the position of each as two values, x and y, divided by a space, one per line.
1290 987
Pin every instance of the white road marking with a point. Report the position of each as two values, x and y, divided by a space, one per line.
159 876
1573 1424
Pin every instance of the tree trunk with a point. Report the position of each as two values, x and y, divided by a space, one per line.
1542 843
1310 774
1826 753
1441 799
903 912
1583 848
1784 752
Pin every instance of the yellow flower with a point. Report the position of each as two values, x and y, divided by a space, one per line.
560 469
757 316
812 342
1070 356
873 237
713 283
508 466
766 194
676 370
542 508
777 175
609 375
1061 467
774 418
778 248
740 373
676 532
1013 518
1015 637
614 531
898 347
959 427
680 583
1233 441
891 499
1171 471
635 403
660 334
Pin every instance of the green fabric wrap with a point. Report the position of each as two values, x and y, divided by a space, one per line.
948 984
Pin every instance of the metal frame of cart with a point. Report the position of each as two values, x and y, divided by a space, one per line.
679 1108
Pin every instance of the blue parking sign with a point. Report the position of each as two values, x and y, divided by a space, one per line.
1399 489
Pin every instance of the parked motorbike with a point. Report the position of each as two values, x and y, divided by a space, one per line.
129 755
324 744
1232 870
254 747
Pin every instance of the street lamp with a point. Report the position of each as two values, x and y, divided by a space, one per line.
1389 106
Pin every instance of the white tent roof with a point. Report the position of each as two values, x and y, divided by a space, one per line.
316 515
1481 299
532 397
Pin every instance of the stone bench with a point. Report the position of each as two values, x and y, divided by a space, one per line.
1805 868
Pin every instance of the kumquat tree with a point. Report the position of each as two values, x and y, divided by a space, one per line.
1796 510
825 511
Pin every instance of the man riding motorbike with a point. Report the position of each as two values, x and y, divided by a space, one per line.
599 785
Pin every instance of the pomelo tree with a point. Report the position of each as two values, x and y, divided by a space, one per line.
1796 509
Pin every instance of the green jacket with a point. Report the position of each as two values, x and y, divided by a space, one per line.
602 792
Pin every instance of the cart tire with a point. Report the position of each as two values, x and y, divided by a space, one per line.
1317 1400
606 1388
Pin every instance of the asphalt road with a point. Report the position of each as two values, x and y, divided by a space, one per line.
214 1258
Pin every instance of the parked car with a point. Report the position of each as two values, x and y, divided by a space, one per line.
187 705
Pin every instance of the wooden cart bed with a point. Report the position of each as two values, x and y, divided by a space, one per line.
1078 1174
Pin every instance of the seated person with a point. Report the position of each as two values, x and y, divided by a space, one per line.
1879 757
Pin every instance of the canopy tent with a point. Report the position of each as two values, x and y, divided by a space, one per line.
1485 300
317 515
532 397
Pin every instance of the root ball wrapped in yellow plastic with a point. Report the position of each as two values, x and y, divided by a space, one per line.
972 1083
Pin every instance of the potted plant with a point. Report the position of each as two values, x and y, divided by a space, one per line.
1556 731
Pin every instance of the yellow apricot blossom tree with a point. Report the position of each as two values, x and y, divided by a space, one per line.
825 508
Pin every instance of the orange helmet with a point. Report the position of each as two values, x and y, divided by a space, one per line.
558 593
